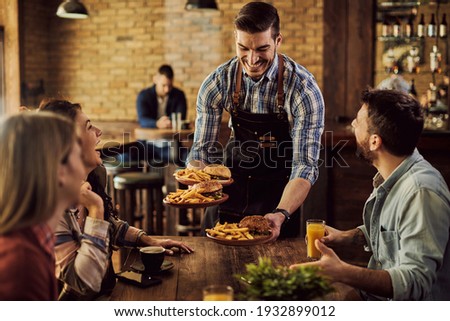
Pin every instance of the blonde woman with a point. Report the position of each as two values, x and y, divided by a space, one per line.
39 179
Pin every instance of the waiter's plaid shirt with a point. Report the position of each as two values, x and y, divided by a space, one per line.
303 103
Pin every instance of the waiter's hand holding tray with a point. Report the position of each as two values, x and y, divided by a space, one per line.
203 194
251 230
191 176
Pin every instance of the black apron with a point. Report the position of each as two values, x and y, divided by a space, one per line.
259 155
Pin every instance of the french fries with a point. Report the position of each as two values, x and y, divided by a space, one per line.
192 174
230 231
187 196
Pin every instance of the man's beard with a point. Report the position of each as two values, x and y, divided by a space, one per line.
363 151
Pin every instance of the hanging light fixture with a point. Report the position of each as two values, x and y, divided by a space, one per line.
201 4
72 9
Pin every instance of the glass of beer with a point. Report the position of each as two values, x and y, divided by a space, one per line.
218 292
315 229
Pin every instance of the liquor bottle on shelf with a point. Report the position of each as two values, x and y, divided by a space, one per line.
412 89
435 60
443 27
432 27
421 27
432 95
409 28
386 28
397 28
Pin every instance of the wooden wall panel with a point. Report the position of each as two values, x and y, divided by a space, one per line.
360 52
9 20
348 55
349 187
334 56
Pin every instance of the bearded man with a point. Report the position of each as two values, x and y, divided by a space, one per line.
407 216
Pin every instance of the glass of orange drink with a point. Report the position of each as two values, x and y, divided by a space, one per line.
315 229
218 292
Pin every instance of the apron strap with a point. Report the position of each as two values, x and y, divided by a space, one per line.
237 89
280 89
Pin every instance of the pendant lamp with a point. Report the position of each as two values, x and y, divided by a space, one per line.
72 9
201 4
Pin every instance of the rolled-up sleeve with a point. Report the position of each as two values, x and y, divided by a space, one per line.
207 124
123 234
308 118
367 246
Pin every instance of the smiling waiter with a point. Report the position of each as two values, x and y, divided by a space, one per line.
277 113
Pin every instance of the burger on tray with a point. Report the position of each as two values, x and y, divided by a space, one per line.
190 176
218 172
211 189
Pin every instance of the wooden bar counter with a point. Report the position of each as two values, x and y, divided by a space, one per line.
213 263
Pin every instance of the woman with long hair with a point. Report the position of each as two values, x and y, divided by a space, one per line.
85 240
39 179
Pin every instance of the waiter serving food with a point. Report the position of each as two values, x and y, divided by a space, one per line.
277 119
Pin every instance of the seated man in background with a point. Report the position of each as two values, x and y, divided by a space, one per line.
407 216
157 106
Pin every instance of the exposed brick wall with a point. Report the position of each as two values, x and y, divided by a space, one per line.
104 61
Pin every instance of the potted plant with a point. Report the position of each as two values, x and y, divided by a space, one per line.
263 281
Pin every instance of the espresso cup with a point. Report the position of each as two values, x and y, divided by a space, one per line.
152 258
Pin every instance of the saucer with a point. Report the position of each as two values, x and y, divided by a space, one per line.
139 267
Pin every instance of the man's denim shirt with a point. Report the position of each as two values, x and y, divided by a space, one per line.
406 225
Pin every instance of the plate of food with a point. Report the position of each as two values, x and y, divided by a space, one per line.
203 194
251 230
191 176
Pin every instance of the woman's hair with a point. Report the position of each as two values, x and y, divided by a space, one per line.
60 106
94 178
32 146
68 109
257 17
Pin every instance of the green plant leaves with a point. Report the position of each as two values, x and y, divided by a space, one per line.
277 283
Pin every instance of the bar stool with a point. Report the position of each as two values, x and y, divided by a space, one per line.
115 167
189 222
140 196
